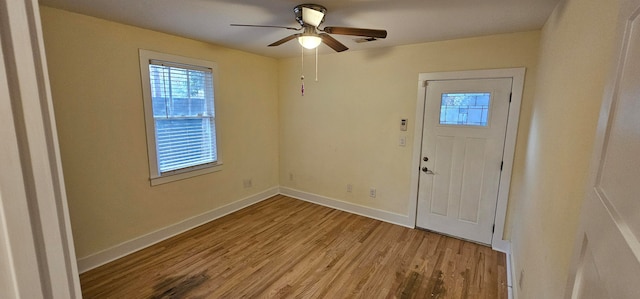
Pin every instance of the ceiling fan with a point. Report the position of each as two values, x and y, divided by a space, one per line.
310 16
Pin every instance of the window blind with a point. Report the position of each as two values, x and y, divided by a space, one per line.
184 115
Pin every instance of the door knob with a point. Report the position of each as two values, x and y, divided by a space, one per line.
426 170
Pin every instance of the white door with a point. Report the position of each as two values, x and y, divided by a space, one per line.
462 147
606 260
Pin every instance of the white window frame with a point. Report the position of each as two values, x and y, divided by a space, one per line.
155 176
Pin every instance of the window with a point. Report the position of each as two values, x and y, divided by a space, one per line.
180 116
466 109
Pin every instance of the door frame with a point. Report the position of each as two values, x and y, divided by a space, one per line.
36 243
517 75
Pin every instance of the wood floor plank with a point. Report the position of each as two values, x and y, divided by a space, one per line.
287 248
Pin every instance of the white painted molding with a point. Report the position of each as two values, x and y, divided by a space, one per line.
398 219
37 256
517 88
511 278
105 256
100 258
517 74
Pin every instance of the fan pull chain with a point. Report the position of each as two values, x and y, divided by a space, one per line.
316 64
302 71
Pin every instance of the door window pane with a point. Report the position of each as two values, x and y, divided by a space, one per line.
465 109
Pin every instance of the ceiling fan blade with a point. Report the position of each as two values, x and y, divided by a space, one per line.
356 31
284 40
266 26
332 42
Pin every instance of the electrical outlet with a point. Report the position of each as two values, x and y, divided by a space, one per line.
372 192
291 176
247 183
349 188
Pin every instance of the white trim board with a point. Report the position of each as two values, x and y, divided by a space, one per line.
512 277
517 74
510 280
398 219
37 256
105 256
110 254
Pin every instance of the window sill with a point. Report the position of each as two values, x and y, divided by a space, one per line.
184 175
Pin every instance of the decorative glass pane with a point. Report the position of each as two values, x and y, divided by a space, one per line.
465 109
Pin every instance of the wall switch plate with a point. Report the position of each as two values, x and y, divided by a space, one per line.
403 124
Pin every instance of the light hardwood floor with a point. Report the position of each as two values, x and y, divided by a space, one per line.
284 247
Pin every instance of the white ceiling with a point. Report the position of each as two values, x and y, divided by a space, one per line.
407 21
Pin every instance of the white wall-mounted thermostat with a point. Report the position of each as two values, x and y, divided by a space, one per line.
403 124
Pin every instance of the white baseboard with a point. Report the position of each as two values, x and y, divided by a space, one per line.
100 258
511 277
402 220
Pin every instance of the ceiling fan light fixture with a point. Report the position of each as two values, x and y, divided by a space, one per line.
309 41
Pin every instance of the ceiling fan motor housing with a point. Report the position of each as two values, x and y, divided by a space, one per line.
298 10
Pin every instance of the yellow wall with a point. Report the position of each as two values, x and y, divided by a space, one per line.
345 129
97 96
575 56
